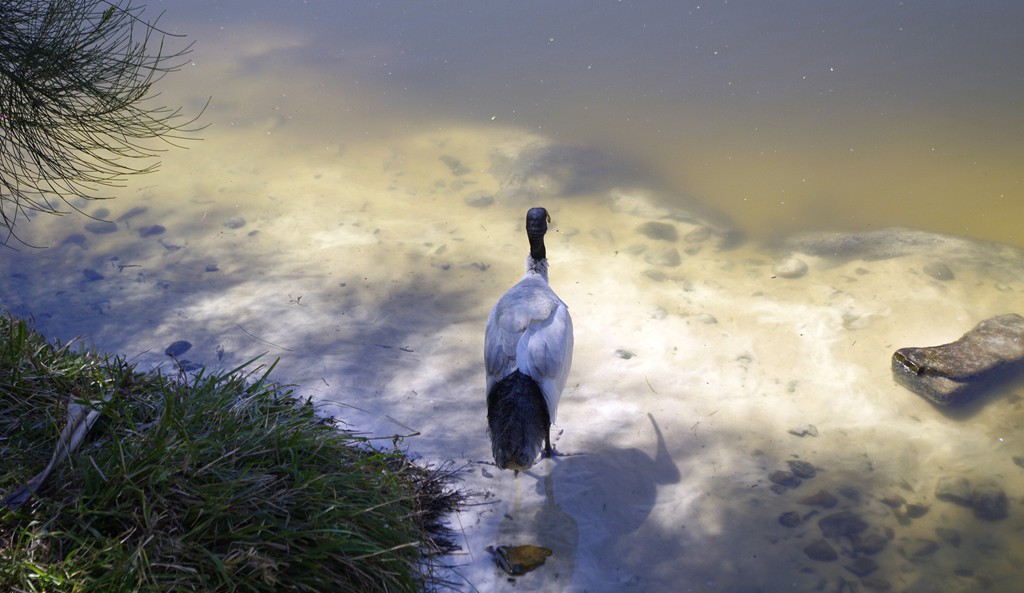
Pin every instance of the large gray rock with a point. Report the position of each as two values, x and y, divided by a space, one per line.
953 373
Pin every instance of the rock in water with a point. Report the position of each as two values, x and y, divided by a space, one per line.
659 231
784 479
178 348
954 489
862 566
802 469
151 230
823 499
802 430
790 268
519 560
821 551
842 524
953 373
939 271
989 502
92 275
790 519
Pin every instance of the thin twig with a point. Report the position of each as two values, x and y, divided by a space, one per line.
259 339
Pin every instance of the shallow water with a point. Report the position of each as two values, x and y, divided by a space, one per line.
355 208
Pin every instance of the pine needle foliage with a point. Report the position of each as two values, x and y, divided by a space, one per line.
77 111
214 482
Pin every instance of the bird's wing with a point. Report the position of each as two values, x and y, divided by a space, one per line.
521 306
545 353
500 339
530 329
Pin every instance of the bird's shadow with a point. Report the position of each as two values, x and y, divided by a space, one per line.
617 485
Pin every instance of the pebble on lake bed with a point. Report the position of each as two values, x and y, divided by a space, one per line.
92 275
803 430
479 199
954 489
790 519
178 348
151 230
77 239
667 257
842 524
821 551
802 469
784 479
822 499
101 228
862 566
791 267
989 503
659 231
869 543
918 548
939 271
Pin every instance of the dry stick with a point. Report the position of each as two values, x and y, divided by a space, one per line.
81 417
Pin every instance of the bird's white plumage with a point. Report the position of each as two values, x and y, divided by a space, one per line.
530 329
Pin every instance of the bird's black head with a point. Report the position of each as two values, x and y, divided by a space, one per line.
537 220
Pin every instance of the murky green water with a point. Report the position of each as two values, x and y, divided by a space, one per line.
789 116
355 209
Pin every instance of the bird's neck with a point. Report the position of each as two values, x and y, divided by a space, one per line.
537 267
537 262
537 251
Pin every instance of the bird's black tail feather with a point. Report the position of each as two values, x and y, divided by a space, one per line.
518 422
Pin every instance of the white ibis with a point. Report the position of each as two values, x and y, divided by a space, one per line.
527 355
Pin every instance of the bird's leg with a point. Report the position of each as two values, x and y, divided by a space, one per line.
547 443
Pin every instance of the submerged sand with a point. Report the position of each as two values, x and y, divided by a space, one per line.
369 273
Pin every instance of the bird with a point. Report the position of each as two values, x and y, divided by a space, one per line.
528 346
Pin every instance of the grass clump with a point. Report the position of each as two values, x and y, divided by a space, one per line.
218 482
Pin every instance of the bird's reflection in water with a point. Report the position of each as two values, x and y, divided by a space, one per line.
540 522
611 491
